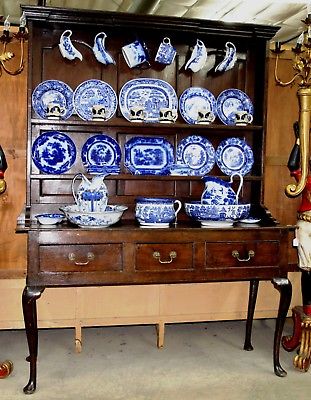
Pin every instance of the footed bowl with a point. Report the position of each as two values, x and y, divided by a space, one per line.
217 212
110 216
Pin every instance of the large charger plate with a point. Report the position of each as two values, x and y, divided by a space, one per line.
151 94
231 100
194 99
197 153
234 155
52 91
53 152
101 152
94 92
148 155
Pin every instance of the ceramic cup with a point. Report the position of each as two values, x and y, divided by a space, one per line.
242 118
153 211
137 114
99 112
205 117
166 52
54 111
135 54
167 115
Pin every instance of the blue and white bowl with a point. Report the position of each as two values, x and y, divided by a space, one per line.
156 212
92 219
217 212
50 218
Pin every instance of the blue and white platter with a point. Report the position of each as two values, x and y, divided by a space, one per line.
148 155
197 153
151 94
234 155
101 153
194 99
94 92
52 91
231 100
53 152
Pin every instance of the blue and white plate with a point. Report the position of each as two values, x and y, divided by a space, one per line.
53 152
101 152
148 155
231 100
197 153
234 155
151 94
94 92
194 99
52 91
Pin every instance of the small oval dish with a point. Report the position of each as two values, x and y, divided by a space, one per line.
50 218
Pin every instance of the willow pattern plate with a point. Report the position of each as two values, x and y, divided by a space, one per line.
231 100
194 99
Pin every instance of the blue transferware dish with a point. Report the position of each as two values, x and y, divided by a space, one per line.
193 100
229 102
148 155
179 170
66 47
156 212
234 155
228 213
99 50
197 153
94 92
150 94
94 219
50 218
90 195
53 152
52 92
229 60
101 152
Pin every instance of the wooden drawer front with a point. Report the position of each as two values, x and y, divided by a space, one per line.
164 257
73 258
250 254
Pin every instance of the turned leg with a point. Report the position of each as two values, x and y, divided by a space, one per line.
30 296
284 286
253 290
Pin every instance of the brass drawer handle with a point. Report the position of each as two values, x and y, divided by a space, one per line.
157 256
90 256
236 255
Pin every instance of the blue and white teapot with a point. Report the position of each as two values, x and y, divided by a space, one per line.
90 196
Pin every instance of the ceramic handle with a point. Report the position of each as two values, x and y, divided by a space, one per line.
90 256
178 207
236 255
157 256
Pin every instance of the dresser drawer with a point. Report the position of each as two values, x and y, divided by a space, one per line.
77 258
242 254
164 257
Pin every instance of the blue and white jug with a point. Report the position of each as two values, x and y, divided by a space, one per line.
90 196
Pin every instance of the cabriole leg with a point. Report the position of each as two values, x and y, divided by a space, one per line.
284 286
30 296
